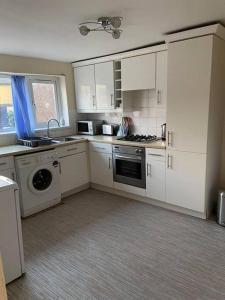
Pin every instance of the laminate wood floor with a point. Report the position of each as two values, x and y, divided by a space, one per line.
101 246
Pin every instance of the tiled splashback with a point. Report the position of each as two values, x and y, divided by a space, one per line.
141 106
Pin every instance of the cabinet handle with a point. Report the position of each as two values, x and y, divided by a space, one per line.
158 97
93 100
60 170
170 138
71 149
101 148
13 176
109 163
3 164
149 171
112 104
169 161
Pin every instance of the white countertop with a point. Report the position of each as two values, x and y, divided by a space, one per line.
19 149
114 140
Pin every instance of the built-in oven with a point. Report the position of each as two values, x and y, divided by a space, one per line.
129 165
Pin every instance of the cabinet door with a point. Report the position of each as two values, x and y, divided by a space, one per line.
85 88
155 178
10 173
138 72
185 179
9 236
104 80
189 71
101 168
161 79
74 171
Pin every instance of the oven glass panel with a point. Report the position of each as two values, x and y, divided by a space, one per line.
128 168
82 127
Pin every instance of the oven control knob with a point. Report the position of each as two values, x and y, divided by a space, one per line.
138 151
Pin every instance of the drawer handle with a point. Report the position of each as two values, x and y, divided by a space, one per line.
3 164
153 154
71 149
100 148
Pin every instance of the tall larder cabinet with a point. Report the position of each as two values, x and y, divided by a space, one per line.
195 108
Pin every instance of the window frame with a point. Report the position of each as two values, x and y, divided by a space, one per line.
11 129
51 79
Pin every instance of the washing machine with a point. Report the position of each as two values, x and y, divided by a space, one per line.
38 177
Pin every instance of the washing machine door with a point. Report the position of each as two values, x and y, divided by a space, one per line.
41 179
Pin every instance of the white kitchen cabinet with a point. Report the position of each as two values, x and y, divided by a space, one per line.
101 164
139 72
11 243
85 88
155 174
185 179
104 80
189 78
74 171
161 79
7 167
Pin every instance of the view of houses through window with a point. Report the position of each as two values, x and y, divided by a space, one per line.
7 122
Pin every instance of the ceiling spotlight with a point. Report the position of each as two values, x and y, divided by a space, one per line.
84 30
116 22
116 34
107 24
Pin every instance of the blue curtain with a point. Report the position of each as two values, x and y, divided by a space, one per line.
23 112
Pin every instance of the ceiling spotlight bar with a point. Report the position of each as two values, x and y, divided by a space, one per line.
110 25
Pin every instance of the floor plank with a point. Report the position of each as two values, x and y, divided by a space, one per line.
102 246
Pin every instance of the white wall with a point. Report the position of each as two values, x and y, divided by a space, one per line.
141 107
17 64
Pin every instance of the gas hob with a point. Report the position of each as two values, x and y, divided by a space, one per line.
140 138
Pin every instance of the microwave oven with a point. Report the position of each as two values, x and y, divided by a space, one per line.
89 127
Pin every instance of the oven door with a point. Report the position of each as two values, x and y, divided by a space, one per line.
129 169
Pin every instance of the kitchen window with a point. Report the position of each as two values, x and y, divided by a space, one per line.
7 122
46 97
45 93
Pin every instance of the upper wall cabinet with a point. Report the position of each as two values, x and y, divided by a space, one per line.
85 87
139 72
104 80
94 85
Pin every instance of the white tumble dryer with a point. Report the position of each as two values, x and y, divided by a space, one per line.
38 177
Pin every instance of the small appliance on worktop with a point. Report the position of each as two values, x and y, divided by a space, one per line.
110 129
89 127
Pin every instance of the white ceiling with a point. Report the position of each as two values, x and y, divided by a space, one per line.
49 28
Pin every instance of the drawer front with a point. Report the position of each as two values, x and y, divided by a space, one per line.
100 147
6 163
71 149
155 154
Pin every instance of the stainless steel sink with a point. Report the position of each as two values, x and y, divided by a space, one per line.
64 139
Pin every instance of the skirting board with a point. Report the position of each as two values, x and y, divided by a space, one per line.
150 201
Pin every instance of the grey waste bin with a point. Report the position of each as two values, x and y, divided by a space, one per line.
221 208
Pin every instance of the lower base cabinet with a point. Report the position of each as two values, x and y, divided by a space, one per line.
73 167
101 164
155 174
185 179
